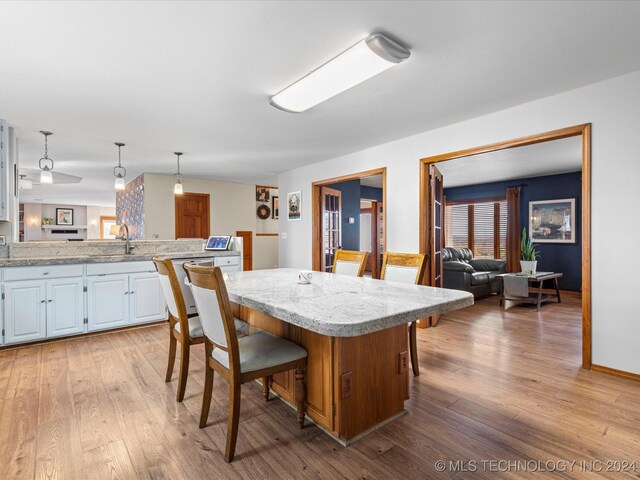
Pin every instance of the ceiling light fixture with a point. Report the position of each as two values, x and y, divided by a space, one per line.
45 170
364 60
24 184
119 172
177 189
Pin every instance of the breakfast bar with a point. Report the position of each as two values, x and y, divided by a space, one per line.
355 332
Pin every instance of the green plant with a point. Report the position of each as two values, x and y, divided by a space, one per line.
527 248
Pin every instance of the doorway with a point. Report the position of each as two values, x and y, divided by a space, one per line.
192 215
337 218
428 216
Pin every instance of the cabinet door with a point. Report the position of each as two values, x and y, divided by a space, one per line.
25 311
107 301
65 307
146 297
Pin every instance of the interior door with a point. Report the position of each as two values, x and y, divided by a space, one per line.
331 226
192 215
247 249
436 230
367 236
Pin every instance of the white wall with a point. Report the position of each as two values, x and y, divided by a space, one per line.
93 220
612 108
233 207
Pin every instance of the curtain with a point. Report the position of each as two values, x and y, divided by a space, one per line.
513 229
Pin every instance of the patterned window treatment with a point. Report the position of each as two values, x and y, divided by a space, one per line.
513 229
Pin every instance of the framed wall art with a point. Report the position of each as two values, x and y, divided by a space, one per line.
553 221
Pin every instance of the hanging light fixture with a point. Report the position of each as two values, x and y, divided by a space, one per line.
24 184
119 172
45 169
177 189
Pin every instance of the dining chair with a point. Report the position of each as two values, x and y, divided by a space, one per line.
406 268
184 323
350 262
239 359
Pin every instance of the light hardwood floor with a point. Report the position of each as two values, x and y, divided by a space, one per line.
495 385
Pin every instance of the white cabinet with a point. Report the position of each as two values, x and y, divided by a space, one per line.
146 297
35 309
65 306
107 301
119 299
25 311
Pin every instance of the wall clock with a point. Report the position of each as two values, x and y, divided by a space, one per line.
263 212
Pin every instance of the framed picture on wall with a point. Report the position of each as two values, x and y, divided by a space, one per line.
294 205
64 216
275 207
553 221
262 194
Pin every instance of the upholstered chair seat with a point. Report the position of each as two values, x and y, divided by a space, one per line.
261 350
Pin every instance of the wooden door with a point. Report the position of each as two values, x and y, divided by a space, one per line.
247 248
436 231
367 236
331 201
192 215
378 225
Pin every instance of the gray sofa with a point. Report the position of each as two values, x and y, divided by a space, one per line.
462 272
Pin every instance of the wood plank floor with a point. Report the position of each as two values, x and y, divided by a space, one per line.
495 385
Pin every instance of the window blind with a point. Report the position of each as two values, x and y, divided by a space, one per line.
478 225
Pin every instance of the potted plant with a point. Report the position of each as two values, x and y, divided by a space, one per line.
529 254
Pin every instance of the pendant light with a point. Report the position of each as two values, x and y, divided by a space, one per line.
45 169
177 189
119 172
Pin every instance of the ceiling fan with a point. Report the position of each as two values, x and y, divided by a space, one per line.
33 175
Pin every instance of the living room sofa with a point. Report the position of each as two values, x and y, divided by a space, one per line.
478 276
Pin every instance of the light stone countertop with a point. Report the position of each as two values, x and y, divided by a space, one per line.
83 259
338 305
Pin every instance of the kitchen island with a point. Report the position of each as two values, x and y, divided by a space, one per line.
355 332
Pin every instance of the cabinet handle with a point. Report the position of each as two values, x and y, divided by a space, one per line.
126 293
45 273
42 301
132 292
49 301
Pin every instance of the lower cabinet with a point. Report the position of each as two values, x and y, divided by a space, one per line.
65 306
121 299
107 301
25 311
35 309
146 298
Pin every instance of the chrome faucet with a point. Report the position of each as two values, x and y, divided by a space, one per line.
127 244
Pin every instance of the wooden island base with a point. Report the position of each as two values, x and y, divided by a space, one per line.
354 384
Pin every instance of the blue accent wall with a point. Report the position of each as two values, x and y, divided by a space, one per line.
556 257
371 193
350 208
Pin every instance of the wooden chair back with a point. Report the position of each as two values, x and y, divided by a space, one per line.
173 294
403 267
212 301
350 262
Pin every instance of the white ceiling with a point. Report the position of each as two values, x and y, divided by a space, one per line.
548 158
195 77
372 181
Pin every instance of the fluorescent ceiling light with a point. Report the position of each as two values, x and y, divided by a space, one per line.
364 60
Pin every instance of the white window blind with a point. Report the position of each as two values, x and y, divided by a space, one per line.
478 225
